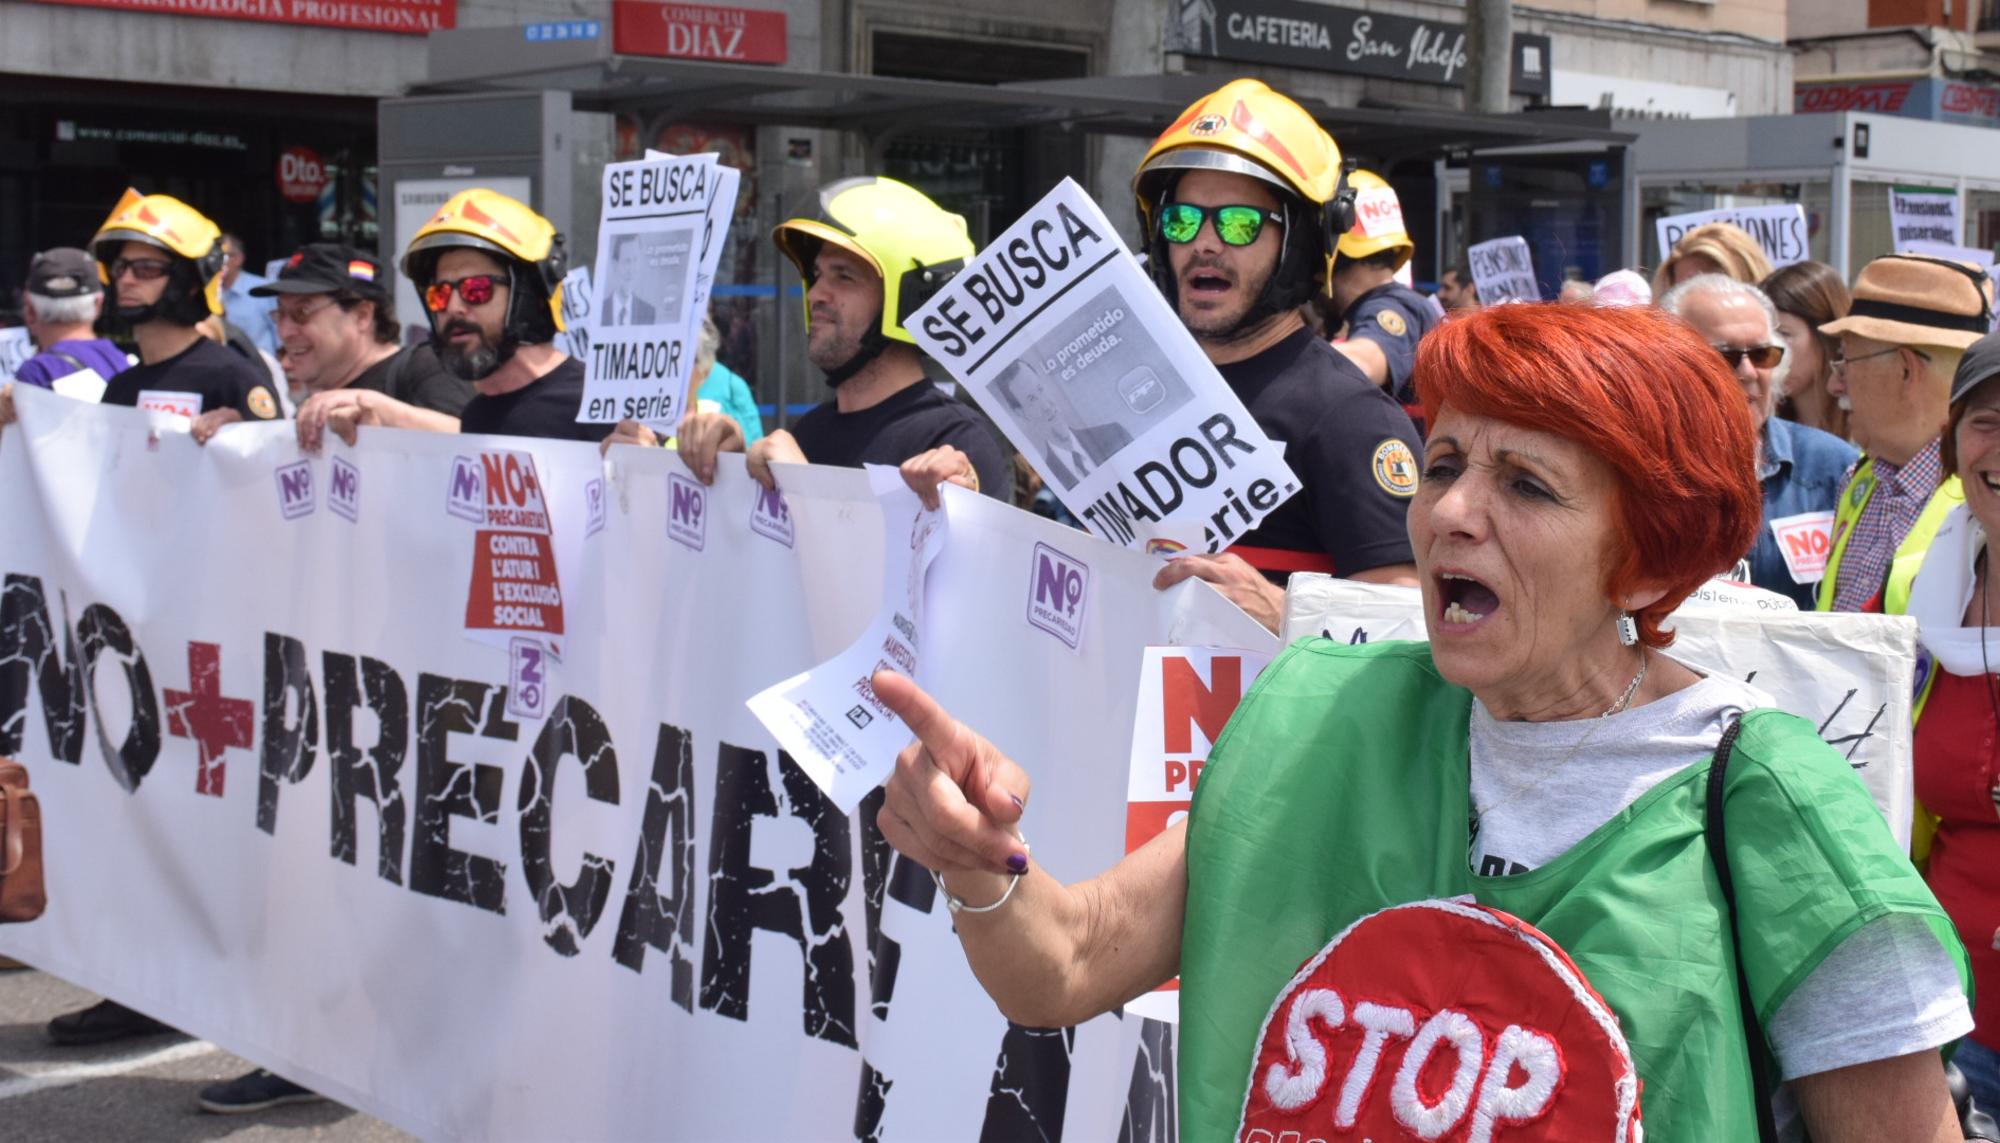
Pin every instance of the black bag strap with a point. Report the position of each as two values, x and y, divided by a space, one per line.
1753 1033
398 370
76 361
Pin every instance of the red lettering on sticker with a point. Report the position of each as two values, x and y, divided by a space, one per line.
1188 702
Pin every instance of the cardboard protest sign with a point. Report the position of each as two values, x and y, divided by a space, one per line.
1504 271
1780 230
1064 340
663 218
1919 214
841 735
1186 695
1851 674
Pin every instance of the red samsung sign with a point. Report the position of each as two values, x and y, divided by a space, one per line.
1888 97
407 17
698 32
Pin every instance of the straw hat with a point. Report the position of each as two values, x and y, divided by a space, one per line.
1915 299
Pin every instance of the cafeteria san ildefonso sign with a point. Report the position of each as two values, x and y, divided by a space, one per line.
1325 38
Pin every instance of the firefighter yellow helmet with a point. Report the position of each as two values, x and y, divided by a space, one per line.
192 242
1378 221
913 243
1245 128
509 229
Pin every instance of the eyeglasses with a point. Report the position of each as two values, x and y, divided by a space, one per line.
1840 363
1235 225
476 289
1761 356
300 315
144 269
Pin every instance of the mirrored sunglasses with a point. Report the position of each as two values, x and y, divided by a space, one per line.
1235 225
476 289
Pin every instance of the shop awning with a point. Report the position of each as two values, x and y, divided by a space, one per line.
504 59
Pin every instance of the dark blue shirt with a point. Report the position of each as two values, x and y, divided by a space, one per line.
1802 470
95 353
1396 318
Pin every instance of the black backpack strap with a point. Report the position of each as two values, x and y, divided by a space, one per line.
76 361
399 370
1753 1032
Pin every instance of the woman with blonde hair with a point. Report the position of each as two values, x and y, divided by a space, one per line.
1716 248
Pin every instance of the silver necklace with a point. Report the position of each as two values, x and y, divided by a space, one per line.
1624 701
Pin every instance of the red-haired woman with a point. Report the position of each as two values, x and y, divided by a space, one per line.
1459 888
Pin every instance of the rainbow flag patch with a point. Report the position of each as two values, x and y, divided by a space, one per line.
361 270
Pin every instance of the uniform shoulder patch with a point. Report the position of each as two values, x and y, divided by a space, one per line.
1395 468
262 405
1393 322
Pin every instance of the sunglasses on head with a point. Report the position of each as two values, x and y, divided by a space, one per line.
1761 356
144 269
1235 225
476 289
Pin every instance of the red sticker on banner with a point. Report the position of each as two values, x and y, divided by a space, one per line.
1441 1020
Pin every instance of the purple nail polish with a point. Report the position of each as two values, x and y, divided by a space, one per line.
1017 863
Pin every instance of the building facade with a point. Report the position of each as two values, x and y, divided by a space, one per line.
294 120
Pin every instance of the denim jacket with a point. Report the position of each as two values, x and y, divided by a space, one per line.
1802 470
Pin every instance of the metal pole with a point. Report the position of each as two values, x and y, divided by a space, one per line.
1489 34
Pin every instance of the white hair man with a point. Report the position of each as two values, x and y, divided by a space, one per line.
1802 468
64 299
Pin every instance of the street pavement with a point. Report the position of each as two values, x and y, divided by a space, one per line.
140 1089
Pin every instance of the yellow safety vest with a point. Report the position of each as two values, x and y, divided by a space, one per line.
1896 601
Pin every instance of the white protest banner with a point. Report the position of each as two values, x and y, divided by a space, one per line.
828 718
632 918
1060 335
416 201
1920 214
1780 230
578 314
83 385
1504 271
1186 695
15 348
657 228
1850 674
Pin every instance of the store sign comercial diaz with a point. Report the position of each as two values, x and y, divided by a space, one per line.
1290 33
698 32
405 17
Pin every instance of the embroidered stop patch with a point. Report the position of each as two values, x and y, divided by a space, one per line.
1440 1020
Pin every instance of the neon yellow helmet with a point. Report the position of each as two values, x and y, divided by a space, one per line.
192 242
509 229
1245 128
913 243
1378 221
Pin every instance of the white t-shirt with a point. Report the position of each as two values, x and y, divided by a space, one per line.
1538 788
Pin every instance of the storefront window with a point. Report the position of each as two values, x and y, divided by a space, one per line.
1663 200
1982 218
1566 206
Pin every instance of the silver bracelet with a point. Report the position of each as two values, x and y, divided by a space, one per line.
957 904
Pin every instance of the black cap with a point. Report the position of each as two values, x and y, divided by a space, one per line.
325 267
64 272
1980 362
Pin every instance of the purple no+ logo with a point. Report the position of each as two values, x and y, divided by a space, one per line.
343 493
1058 594
295 490
687 511
771 517
466 497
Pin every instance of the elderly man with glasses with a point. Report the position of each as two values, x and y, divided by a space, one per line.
1802 468
1912 319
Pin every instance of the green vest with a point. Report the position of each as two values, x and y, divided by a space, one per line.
1853 500
1340 787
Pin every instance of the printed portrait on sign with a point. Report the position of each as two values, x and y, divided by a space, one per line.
1089 386
646 280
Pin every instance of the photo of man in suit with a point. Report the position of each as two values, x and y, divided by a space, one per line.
1063 451
623 306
